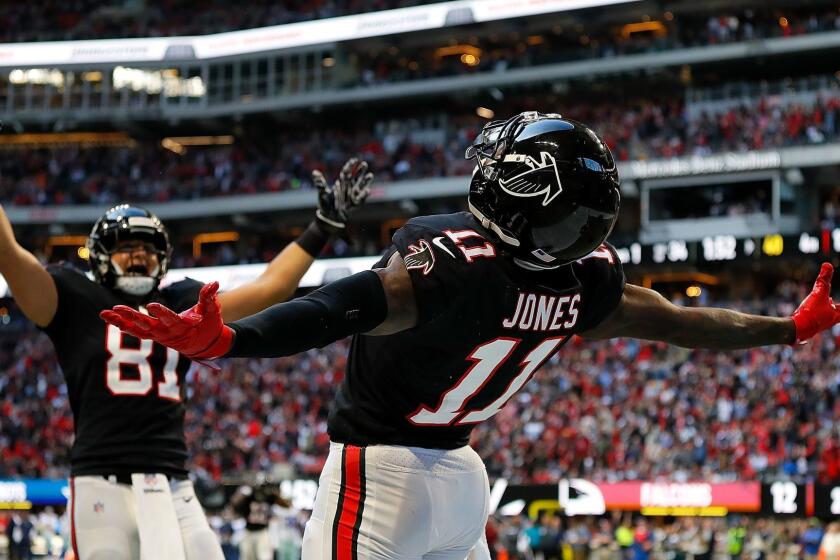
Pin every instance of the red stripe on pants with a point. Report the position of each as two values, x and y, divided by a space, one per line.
352 499
73 519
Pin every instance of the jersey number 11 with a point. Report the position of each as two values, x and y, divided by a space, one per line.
487 358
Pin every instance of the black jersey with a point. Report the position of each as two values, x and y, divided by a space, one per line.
485 326
255 507
126 395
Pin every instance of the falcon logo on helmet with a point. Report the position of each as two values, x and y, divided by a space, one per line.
546 185
541 178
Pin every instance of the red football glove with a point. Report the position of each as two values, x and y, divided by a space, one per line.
817 312
197 333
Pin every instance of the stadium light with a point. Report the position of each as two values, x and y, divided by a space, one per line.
63 241
155 82
177 143
454 50
39 76
92 76
470 60
656 27
54 140
172 146
216 237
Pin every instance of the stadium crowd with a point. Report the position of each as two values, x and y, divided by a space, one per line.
271 161
618 409
504 51
623 536
549 537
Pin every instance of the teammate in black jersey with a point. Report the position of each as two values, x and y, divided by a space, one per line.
130 492
255 505
457 316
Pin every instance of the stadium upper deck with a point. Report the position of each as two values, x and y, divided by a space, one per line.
112 19
406 54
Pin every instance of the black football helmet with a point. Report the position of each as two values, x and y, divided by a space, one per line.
546 185
121 223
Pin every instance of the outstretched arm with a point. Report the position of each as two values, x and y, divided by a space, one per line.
375 302
645 314
277 283
281 278
32 286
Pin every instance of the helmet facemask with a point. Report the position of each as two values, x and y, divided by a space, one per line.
491 145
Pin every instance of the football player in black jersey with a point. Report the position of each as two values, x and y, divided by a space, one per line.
255 504
452 322
128 462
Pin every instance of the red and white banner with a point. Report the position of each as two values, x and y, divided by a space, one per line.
734 496
578 496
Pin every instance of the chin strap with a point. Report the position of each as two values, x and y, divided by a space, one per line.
485 221
533 266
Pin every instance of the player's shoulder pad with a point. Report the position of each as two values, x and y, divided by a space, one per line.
604 256
602 279
182 294
65 269
450 240
70 277
601 268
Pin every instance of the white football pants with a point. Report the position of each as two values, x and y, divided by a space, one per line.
386 502
103 521
256 545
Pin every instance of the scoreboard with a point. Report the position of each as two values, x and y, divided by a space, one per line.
727 248
826 500
784 498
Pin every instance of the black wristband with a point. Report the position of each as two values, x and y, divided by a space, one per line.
313 239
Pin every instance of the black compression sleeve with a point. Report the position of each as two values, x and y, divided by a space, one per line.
352 305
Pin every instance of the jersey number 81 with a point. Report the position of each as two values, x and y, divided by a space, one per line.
120 356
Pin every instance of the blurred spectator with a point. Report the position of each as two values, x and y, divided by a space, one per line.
19 532
562 42
660 538
830 546
811 539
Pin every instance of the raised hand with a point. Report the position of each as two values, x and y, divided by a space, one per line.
817 311
335 202
197 333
